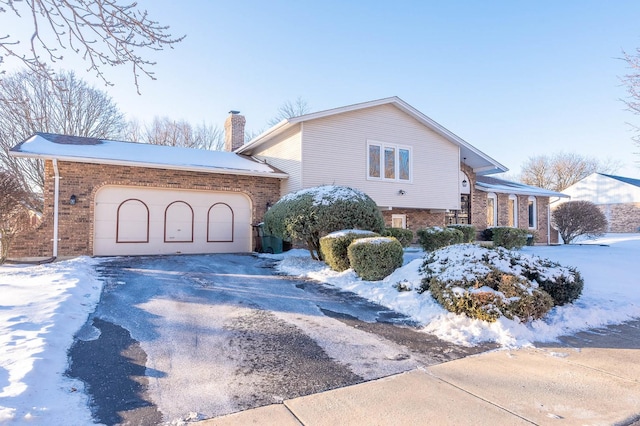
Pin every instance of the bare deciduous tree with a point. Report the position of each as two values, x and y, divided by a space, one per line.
575 218
30 103
287 110
290 109
14 214
164 131
104 33
561 170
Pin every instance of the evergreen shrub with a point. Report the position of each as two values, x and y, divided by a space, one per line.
375 258
436 237
334 247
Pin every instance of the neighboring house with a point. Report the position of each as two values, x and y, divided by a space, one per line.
123 198
618 197
419 173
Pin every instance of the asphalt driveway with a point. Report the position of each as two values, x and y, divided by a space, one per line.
179 338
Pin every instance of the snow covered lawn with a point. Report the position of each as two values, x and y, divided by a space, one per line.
41 307
611 292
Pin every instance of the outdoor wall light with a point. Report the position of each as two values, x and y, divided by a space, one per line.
268 205
402 192
464 183
72 200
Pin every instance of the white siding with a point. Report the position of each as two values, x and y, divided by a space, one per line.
334 151
284 153
601 189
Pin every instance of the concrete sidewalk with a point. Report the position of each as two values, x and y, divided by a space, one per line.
591 378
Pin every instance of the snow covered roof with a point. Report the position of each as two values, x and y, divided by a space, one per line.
492 184
630 181
99 151
478 160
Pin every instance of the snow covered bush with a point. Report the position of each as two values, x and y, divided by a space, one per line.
488 283
509 238
436 237
575 218
375 258
308 214
468 232
405 236
334 247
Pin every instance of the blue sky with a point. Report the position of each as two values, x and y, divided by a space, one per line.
514 78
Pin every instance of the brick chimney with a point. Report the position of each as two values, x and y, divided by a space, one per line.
234 131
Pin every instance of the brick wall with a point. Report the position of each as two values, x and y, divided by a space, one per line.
83 180
622 217
416 218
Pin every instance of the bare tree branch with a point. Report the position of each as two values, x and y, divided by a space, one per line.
164 131
561 170
102 32
30 103
290 109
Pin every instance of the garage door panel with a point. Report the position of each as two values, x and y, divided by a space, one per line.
179 221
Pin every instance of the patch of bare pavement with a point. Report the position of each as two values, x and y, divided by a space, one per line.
195 337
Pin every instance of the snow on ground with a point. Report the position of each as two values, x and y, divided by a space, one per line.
41 307
610 295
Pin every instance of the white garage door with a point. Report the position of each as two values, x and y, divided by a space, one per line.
134 221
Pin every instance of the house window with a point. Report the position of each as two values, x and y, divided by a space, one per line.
512 209
399 221
532 213
492 210
388 162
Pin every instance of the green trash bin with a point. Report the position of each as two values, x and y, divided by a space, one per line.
271 244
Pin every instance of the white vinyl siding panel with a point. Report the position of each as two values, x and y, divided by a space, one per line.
334 151
284 153
601 189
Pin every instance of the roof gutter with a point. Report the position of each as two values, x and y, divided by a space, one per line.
203 169
56 197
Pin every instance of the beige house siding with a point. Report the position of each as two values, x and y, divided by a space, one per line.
334 151
601 189
285 153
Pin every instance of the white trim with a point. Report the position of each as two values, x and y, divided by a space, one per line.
203 169
467 150
535 212
514 217
56 199
402 217
396 148
494 197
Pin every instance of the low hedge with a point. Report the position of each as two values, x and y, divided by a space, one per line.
468 232
492 296
375 258
488 283
334 247
509 238
405 236
436 237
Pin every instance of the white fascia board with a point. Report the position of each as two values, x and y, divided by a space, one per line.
503 190
201 169
272 131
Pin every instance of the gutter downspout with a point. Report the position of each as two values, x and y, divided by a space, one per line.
56 196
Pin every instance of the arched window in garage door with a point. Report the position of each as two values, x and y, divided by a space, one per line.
178 223
220 223
132 222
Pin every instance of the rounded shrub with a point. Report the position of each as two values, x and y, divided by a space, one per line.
509 238
468 232
334 247
436 237
308 214
405 236
375 258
